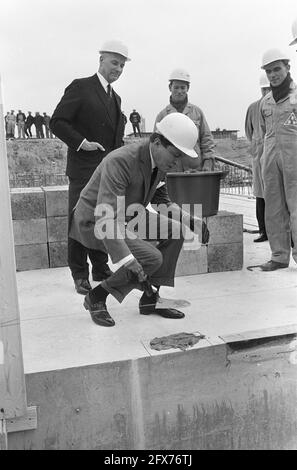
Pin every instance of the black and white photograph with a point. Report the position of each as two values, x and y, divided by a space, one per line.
148 227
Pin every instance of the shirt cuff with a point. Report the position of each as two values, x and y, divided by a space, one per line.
123 261
78 149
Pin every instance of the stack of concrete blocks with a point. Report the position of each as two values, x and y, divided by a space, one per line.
40 227
224 251
40 231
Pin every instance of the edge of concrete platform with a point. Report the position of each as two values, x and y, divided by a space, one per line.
230 392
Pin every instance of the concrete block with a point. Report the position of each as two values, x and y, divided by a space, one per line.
56 200
58 254
225 227
57 229
192 262
27 203
225 257
31 257
29 232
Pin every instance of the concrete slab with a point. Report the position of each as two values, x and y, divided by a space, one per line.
58 333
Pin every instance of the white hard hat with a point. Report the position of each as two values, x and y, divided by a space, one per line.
294 32
272 55
117 47
180 74
264 82
181 131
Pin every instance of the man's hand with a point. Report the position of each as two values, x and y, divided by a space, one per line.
208 165
135 271
195 222
89 146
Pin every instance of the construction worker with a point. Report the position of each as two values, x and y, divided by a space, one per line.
278 121
131 175
294 33
255 137
179 84
21 120
135 120
11 122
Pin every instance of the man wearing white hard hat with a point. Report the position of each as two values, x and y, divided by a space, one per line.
278 121
89 120
255 137
124 183
179 84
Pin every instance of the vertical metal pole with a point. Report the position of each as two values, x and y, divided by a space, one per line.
12 380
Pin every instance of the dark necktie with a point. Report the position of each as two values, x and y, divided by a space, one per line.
154 176
109 91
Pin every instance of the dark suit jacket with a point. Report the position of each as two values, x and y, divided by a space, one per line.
124 172
83 113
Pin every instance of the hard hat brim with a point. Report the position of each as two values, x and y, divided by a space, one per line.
293 42
190 153
117 53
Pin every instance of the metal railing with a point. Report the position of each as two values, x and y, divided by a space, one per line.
239 178
33 180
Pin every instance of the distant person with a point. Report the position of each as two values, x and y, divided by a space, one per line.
48 132
20 121
39 122
255 137
278 120
179 84
89 120
29 122
11 122
135 120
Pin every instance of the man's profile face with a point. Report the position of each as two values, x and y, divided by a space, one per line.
276 72
165 158
179 90
111 66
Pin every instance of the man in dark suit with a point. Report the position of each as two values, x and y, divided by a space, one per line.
89 120
125 182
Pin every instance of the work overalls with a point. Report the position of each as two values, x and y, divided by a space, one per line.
279 171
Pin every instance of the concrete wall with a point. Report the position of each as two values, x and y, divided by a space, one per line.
237 394
40 227
40 232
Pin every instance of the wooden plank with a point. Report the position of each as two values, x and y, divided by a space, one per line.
24 423
12 380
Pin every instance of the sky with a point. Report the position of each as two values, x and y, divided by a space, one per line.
45 44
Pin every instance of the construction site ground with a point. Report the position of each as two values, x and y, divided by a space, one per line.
57 332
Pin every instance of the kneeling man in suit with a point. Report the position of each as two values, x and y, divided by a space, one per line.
124 183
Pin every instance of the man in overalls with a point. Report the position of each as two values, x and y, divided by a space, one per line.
278 121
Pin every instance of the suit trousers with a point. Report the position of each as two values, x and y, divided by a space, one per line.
77 253
260 214
157 255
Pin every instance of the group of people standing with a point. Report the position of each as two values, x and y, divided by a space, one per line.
101 170
24 125
271 127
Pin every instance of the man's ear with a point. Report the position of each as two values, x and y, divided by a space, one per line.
170 87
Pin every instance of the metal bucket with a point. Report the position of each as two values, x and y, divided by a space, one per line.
199 187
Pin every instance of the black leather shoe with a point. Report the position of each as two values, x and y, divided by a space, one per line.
263 238
147 306
99 313
103 275
273 266
82 286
